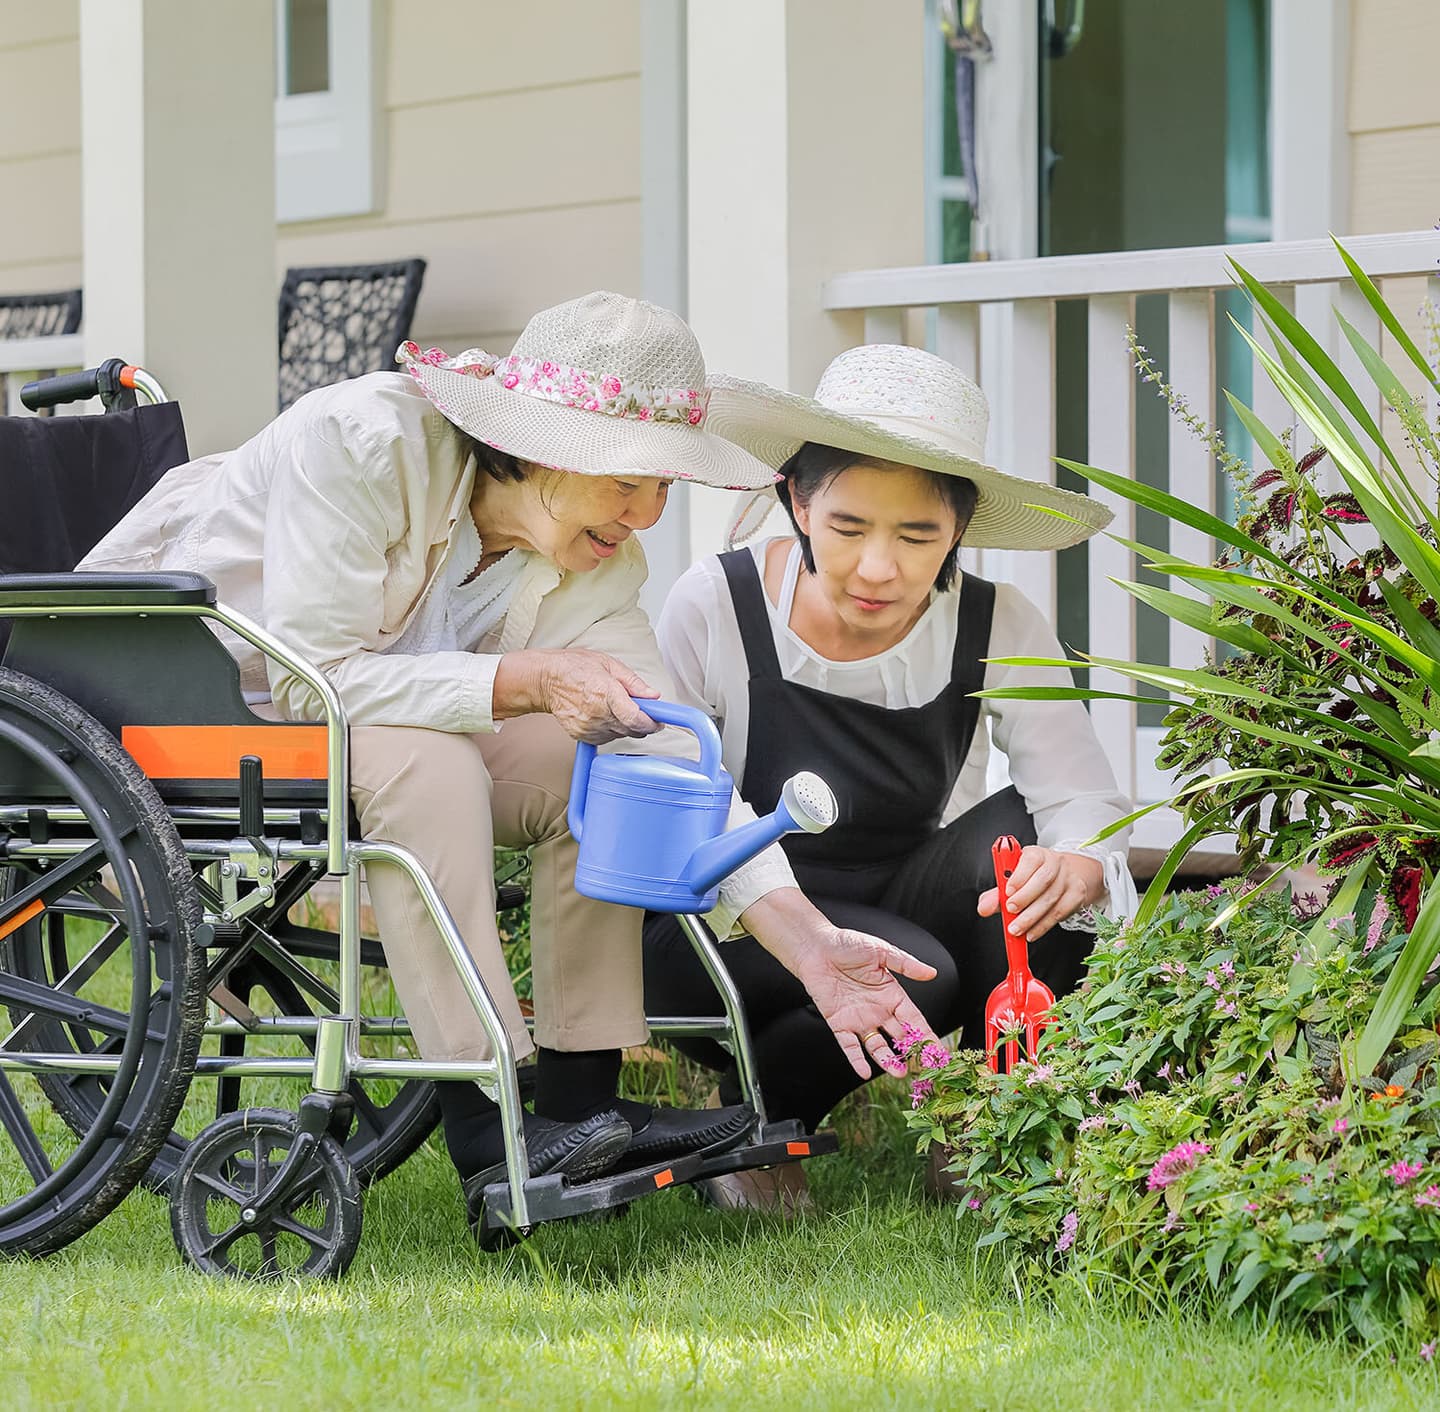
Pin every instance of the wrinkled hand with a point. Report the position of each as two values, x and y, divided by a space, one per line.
587 692
851 978
1045 888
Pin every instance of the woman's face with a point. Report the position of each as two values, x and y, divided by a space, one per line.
579 521
879 535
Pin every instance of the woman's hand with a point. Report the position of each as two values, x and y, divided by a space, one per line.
849 975
1045 888
587 692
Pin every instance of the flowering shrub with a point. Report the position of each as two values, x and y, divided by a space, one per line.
1195 1120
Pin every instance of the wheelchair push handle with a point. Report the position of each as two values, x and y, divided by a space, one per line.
115 382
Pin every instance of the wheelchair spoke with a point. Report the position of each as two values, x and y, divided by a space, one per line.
12 1116
47 887
269 1258
74 978
222 1188
314 1239
40 999
222 1242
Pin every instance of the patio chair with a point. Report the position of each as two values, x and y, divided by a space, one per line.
37 316
341 321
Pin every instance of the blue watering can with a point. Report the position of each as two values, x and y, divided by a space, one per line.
651 828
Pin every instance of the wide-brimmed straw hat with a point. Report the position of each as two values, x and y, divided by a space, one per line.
602 385
892 403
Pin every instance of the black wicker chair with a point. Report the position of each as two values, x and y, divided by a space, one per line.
341 321
37 316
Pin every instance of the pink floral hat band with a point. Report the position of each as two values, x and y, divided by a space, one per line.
568 386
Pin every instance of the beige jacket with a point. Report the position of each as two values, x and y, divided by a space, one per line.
350 501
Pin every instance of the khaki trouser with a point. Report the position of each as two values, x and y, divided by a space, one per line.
450 799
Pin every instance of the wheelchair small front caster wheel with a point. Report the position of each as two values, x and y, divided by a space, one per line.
224 1174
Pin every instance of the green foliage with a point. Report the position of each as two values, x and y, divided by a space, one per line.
1195 1121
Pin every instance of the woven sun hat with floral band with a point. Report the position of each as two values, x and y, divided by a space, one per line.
602 385
891 403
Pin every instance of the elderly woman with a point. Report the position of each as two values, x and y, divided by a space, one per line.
853 649
454 547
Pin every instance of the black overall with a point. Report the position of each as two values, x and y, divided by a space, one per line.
886 867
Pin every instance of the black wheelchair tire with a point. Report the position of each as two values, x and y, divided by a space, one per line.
117 800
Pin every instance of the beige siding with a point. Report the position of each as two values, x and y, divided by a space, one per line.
39 145
513 163
512 138
1394 115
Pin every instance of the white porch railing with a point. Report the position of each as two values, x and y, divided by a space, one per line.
22 359
997 322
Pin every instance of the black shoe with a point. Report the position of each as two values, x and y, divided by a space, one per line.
581 1151
680 1132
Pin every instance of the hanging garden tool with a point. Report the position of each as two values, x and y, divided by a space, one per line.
1020 1003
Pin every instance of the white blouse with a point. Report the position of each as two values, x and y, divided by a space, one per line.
1055 759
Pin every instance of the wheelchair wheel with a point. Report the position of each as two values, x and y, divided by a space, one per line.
314 1232
290 977
130 997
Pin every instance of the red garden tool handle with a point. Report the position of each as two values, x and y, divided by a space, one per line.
1006 854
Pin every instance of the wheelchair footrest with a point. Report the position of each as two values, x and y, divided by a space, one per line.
550 1198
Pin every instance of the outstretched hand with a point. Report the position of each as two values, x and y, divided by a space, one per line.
849 975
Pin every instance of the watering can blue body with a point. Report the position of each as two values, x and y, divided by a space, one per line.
651 828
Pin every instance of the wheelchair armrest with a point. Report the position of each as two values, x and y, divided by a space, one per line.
87 590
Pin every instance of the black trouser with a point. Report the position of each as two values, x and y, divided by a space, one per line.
925 905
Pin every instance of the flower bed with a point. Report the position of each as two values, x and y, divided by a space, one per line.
1189 1124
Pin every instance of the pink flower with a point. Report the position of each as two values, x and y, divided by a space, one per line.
1039 1074
1176 1163
591 405
1252 1206
934 1055
610 385
511 381
1379 915
911 1038
1402 1172
974 1203
696 416
1171 1221
1132 1087
1227 969
1339 1125
549 369
1427 1351
1095 1120
1068 1227
920 1090
644 414
1429 1197
1212 980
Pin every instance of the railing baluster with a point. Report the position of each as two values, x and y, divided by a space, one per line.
957 330
1192 467
884 326
1111 420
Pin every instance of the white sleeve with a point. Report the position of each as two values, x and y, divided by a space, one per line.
336 506
1056 761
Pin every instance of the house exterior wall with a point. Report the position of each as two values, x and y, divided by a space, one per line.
512 159
39 145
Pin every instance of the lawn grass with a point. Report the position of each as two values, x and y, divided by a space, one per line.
881 1300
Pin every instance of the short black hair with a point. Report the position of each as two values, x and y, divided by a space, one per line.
498 465
814 466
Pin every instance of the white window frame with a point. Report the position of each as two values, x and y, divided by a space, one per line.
327 145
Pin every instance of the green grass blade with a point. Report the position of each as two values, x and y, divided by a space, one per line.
1376 301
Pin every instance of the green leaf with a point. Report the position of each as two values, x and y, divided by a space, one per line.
1376 300
1385 378
1401 985
1215 1261
1252 1271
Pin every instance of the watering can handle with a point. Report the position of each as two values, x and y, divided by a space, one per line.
669 713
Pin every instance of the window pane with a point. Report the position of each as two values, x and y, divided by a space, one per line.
307 46
954 231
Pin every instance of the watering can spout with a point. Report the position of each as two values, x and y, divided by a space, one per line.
806 805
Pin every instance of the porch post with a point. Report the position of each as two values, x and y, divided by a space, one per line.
806 158
178 144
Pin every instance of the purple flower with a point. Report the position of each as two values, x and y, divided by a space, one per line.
1379 915
920 1090
1171 1221
1095 1120
909 1038
1402 1172
1163 1072
1132 1087
1068 1227
1214 890
1212 980
934 1055
1227 969
1427 1351
1176 1163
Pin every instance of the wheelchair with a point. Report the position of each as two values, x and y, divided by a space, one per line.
157 839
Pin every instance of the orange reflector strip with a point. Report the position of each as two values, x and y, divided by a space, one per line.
33 909
127 375
213 752
798 1149
664 1178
